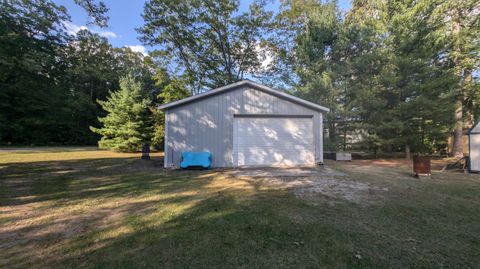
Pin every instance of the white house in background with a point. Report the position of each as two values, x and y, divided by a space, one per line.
474 148
245 124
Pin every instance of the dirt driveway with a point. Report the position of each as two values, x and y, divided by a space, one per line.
314 184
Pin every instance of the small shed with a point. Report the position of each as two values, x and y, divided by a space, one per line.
245 124
474 148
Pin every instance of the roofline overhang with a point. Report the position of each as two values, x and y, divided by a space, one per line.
470 131
241 83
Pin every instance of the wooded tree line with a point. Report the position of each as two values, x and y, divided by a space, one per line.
53 84
404 72
400 70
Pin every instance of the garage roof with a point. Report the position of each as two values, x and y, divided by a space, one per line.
475 129
235 85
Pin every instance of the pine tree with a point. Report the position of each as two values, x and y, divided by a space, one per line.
316 27
128 122
457 27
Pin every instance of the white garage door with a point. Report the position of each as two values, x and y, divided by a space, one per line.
273 141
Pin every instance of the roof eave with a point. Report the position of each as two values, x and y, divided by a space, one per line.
291 97
470 131
202 95
242 83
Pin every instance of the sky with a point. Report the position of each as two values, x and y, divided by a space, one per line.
125 16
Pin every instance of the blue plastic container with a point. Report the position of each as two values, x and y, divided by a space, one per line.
201 159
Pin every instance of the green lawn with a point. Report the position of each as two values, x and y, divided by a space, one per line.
96 209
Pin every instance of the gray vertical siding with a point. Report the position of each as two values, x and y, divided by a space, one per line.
474 148
207 124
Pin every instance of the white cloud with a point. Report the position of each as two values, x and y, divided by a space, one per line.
265 56
268 59
139 48
73 29
107 34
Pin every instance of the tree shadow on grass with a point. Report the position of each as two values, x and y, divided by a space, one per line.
50 202
25 183
217 232
129 213
126 213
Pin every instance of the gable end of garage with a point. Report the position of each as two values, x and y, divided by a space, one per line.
243 83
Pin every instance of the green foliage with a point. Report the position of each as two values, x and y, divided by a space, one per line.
50 81
383 64
395 71
210 41
172 89
92 67
127 126
456 31
30 32
97 10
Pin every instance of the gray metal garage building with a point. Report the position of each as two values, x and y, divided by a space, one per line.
474 148
245 124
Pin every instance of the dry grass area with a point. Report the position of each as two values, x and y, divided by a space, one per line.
43 154
437 164
80 207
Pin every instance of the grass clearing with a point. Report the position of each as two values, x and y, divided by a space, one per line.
94 209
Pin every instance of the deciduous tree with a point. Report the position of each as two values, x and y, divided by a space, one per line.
210 41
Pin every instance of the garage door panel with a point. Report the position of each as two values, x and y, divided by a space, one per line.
290 127
302 139
277 146
274 141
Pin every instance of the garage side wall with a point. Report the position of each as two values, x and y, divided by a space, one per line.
207 124
475 152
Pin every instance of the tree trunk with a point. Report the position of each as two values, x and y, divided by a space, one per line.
463 115
469 106
407 152
457 150
146 151
389 148
332 132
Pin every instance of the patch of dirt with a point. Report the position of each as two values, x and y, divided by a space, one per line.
437 164
268 172
351 191
315 184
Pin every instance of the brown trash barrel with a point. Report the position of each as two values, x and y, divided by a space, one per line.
422 166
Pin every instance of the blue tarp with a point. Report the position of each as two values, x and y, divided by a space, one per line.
196 159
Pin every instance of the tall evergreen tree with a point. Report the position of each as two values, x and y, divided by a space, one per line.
314 58
456 26
420 83
127 126
378 64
